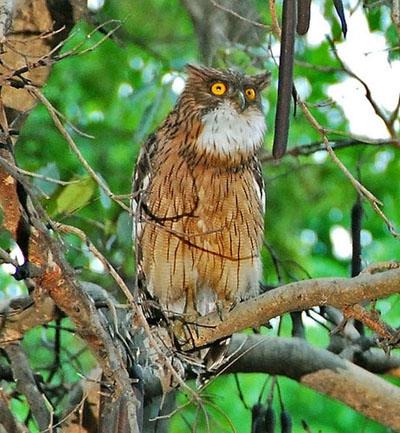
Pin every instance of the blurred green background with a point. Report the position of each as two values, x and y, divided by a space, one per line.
118 93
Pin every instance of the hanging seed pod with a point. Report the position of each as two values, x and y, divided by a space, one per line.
270 420
257 418
340 11
303 16
286 422
285 83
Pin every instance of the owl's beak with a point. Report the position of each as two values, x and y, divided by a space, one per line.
241 100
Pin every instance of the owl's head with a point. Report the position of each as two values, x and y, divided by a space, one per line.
212 87
228 104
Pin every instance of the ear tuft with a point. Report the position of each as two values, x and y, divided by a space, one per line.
202 73
195 70
262 80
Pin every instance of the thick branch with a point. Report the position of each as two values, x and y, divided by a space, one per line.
61 285
320 370
26 385
14 322
7 420
301 295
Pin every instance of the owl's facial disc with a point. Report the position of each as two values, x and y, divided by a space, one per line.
242 96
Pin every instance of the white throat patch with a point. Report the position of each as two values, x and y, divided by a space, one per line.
227 132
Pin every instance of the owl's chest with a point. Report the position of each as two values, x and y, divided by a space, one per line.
219 194
203 199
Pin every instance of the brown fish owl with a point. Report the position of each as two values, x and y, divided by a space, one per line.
199 195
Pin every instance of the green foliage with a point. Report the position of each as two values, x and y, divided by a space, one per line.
72 197
118 93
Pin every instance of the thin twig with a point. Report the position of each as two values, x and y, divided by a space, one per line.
310 148
276 30
241 17
394 141
53 114
369 319
364 192
6 258
48 60
46 178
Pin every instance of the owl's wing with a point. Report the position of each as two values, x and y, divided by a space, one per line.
144 163
142 171
140 182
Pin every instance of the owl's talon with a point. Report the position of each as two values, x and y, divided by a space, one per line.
222 307
184 327
233 305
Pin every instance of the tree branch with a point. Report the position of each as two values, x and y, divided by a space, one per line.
7 420
17 320
301 295
320 370
26 385
360 188
309 149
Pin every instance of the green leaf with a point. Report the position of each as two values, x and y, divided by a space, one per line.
73 197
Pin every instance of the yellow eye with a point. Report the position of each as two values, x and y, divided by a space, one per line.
219 88
250 93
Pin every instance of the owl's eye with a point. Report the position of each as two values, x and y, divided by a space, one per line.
219 88
250 93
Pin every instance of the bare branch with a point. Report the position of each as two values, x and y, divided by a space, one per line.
378 111
320 370
14 322
276 30
46 178
6 258
26 385
58 280
301 295
309 149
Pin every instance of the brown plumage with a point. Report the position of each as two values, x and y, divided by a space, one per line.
198 195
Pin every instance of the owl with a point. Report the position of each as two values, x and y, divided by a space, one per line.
198 196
